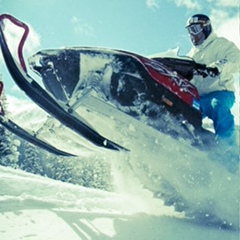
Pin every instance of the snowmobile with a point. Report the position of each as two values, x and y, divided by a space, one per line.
142 87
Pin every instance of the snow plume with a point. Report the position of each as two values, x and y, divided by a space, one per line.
157 168
38 208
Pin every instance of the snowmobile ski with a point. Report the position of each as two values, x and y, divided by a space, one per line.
17 130
42 98
20 132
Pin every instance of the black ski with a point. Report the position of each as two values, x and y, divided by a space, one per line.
14 128
46 102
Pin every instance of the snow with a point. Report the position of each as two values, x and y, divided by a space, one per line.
34 207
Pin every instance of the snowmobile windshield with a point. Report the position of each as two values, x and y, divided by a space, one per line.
194 29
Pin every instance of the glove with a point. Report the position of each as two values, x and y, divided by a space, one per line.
207 72
215 68
212 71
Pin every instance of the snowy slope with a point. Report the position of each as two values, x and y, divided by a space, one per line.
37 208
154 159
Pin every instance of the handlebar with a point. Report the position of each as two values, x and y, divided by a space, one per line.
23 39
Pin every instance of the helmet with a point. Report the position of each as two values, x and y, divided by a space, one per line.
203 21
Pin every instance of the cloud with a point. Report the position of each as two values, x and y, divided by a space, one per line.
152 3
13 36
206 4
190 4
225 25
228 3
81 27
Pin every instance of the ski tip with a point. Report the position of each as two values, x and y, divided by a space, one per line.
113 146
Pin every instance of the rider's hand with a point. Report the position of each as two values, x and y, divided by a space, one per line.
212 71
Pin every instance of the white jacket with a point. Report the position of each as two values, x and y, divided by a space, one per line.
216 52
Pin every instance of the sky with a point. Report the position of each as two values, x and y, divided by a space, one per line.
142 26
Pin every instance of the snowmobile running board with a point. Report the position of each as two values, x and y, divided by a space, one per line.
32 89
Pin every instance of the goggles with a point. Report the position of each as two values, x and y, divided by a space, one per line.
195 29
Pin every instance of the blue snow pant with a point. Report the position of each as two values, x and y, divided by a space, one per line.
217 106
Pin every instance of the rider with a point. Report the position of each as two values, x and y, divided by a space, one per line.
216 90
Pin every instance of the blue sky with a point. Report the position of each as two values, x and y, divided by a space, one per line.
142 26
